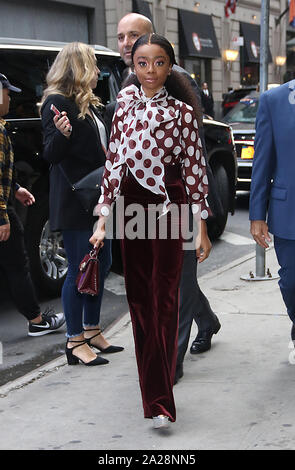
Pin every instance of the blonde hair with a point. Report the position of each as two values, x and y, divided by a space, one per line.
71 75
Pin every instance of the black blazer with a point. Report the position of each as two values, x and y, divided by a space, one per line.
78 156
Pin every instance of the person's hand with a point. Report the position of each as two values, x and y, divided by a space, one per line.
4 232
62 123
259 231
99 234
24 197
203 244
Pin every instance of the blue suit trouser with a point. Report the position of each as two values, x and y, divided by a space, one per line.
285 251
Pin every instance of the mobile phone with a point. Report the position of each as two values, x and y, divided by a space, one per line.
55 110
58 113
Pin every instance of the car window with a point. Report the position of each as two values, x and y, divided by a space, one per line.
245 111
27 69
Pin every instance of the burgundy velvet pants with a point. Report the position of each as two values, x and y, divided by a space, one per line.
152 269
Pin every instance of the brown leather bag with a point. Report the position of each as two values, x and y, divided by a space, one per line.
88 278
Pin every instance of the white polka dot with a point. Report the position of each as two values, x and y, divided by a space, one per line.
167 159
193 136
177 150
205 179
204 214
199 142
105 211
195 169
200 188
176 132
120 126
190 150
168 142
195 208
185 132
203 161
187 162
190 180
101 199
160 134
113 147
188 117
108 165
120 112
196 196
169 125
195 123
198 154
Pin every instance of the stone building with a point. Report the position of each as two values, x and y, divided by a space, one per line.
200 30
203 37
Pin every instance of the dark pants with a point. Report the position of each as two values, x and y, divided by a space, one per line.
14 264
152 270
82 309
194 304
285 251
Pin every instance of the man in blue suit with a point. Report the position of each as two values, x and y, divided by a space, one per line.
273 184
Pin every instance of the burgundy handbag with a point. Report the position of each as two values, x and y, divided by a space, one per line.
88 278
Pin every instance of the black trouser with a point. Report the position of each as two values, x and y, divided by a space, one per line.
194 304
14 265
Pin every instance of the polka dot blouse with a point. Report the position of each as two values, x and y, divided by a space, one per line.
148 134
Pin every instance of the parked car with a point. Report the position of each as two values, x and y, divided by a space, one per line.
26 63
242 121
233 97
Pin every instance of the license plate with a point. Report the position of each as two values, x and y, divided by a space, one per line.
247 152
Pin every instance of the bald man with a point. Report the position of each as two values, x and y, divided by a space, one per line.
193 303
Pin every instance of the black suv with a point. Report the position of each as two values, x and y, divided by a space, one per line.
26 63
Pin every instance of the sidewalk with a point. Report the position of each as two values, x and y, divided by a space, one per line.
238 395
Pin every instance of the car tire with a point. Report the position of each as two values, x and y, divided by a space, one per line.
216 225
46 252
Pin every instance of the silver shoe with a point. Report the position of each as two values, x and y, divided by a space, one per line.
160 421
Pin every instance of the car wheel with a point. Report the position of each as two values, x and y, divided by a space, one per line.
216 225
47 255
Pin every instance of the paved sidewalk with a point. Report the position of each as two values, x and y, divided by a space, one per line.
238 395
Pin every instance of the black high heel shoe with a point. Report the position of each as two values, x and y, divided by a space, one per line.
73 360
109 350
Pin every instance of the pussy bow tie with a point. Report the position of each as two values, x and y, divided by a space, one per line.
133 99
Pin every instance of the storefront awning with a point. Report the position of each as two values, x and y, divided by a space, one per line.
251 34
142 7
197 36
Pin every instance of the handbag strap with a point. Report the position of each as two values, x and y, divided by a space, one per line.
66 177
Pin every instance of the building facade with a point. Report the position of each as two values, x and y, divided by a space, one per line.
203 37
202 34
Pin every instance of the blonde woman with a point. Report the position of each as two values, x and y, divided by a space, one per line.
74 145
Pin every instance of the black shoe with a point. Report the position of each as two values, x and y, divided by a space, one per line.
293 332
74 360
178 373
51 322
202 341
109 350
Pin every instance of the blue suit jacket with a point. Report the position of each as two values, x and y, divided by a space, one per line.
273 173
